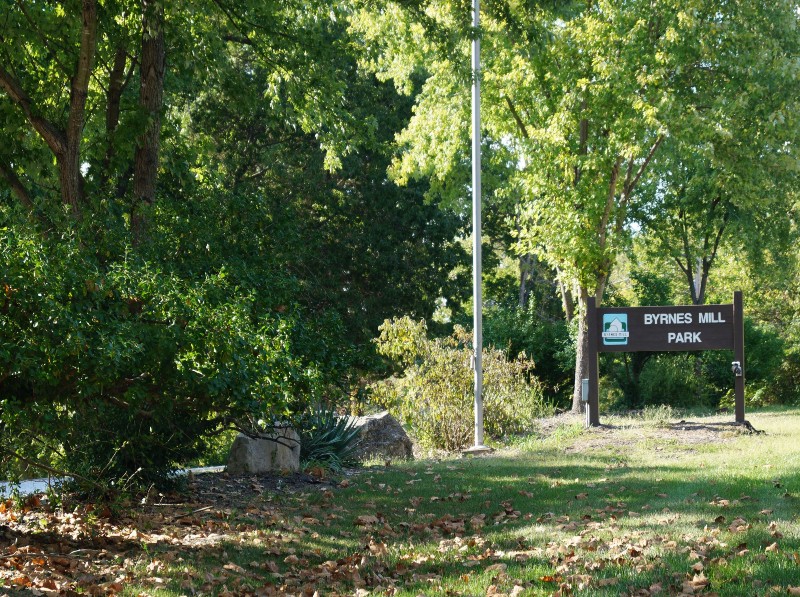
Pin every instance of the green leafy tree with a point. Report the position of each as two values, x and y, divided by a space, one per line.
584 94
222 252
728 173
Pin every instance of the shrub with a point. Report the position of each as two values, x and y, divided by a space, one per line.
754 397
610 396
765 361
670 379
118 368
434 395
542 339
787 379
326 439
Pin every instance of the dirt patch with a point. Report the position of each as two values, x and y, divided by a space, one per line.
224 490
631 429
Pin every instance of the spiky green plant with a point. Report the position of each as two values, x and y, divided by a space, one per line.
326 439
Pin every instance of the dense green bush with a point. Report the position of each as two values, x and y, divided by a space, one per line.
670 379
765 351
544 340
434 394
114 369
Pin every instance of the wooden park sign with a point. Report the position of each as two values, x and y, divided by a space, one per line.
681 328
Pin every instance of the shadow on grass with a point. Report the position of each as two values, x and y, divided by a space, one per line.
548 517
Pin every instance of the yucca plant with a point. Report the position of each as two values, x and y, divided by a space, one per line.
326 439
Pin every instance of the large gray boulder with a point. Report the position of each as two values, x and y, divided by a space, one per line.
277 451
381 436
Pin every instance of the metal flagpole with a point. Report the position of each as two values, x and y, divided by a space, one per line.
477 294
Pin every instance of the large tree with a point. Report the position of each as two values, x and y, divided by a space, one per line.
188 235
728 172
586 94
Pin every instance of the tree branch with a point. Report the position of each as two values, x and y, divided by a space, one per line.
583 140
117 82
710 224
627 191
687 253
627 184
612 192
16 185
567 300
707 266
50 469
681 265
521 125
52 135
71 177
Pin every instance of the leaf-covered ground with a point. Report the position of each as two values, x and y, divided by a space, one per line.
633 508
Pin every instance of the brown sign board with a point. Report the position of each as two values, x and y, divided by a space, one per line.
636 329
657 329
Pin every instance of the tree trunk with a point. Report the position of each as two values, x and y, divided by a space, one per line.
582 343
116 85
69 176
699 298
581 351
567 300
69 163
525 270
151 98
16 186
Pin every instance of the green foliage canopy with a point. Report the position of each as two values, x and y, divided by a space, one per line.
196 241
587 96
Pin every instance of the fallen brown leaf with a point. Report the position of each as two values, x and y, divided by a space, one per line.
235 568
607 582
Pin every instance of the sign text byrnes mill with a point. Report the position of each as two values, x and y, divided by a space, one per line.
632 329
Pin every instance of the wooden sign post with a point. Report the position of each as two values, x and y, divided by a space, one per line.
677 328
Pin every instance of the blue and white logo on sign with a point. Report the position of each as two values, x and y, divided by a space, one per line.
615 329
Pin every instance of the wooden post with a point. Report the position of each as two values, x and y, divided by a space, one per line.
594 373
738 354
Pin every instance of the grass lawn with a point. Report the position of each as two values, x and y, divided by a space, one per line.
637 507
